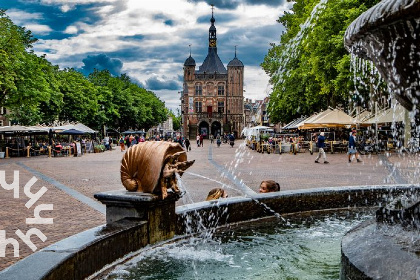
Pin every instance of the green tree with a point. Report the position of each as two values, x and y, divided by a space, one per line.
310 68
25 79
126 105
79 95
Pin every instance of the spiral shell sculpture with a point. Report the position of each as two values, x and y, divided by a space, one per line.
150 167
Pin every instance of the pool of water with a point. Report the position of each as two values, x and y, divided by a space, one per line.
306 247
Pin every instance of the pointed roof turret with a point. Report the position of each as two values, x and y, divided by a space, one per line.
235 62
190 61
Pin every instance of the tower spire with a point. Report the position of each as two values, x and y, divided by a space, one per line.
212 32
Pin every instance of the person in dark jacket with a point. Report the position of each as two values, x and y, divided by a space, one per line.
187 144
321 145
231 140
352 147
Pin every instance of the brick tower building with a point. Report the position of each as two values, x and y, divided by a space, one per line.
212 99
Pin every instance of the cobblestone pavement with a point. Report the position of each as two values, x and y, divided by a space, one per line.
71 183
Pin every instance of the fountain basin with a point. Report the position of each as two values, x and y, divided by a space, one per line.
86 253
388 35
306 247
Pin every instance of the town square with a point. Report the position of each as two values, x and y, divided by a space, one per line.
209 140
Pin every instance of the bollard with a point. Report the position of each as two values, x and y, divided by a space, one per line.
28 151
7 152
49 151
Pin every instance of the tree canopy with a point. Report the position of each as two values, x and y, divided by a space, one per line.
35 91
310 68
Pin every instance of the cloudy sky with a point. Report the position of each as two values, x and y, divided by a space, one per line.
149 39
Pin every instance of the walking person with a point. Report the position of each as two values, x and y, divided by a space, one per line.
321 145
218 140
187 144
201 140
231 140
122 145
127 141
198 140
352 147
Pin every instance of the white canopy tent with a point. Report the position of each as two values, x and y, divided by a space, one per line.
77 126
257 131
394 114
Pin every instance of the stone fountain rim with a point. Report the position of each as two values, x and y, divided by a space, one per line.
388 11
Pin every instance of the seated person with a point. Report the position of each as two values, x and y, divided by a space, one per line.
269 186
58 148
216 194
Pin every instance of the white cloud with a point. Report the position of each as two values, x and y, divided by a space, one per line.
20 17
65 8
39 28
71 29
29 21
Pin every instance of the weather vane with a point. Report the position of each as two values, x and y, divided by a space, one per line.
190 48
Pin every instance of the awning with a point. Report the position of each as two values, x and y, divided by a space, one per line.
23 129
72 132
333 118
77 126
394 114
312 118
293 124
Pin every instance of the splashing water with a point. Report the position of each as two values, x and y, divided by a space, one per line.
308 249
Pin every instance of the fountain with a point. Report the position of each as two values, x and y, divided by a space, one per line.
388 34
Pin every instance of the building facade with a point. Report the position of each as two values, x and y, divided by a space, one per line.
212 99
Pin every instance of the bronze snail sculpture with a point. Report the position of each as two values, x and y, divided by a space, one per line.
151 167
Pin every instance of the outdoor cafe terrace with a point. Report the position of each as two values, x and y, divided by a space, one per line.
65 140
300 135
